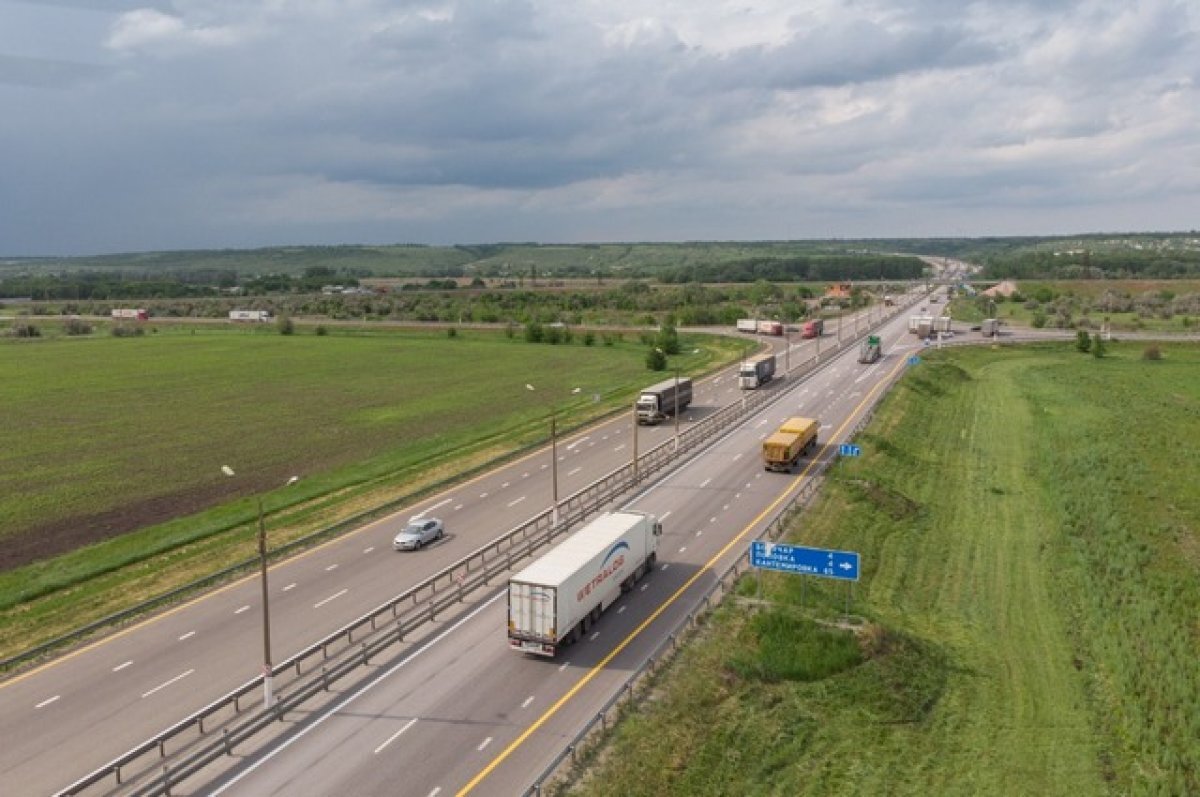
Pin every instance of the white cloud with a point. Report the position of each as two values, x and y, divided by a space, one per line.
228 122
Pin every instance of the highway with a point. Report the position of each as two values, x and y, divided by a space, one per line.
75 714
463 714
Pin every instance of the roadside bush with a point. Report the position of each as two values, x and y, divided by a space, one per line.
656 360
589 338
451 332
127 331
1083 341
1152 352
284 325
1098 347
77 326
321 331
24 329
1038 321
534 333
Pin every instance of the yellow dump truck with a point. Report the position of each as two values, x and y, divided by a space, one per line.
794 439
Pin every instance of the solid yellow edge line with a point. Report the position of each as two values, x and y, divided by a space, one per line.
550 712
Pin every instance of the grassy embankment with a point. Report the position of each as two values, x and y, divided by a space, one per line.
1028 524
130 435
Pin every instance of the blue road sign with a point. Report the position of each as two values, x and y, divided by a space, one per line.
913 360
808 561
848 450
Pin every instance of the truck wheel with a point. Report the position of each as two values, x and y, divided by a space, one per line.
650 560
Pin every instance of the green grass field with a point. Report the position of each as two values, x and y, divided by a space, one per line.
1028 525
124 438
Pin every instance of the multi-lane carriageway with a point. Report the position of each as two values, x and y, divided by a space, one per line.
459 711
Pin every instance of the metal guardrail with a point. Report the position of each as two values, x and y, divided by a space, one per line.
627 693
353 645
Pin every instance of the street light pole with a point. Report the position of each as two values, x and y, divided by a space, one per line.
554 466
268 669
677 409
635 437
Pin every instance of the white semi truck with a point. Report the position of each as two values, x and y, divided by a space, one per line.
658 402
555 600
756 371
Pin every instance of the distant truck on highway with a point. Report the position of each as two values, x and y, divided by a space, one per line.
813 329
795 438
921 325
870 350
756 371
990 326
747 325
138 314
260 316
555 600
659 402
770 328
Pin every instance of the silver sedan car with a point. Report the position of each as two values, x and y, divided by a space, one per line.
418 532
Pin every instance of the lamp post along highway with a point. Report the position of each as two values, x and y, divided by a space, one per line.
268 668
635 442
677 409
553 454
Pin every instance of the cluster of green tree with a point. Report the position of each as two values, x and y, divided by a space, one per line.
1087 264
797 269
100 285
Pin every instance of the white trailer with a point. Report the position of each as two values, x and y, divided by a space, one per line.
136 314
747 325
555 600
261 316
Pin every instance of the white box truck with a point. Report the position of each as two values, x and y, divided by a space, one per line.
259 316
747 325
555 600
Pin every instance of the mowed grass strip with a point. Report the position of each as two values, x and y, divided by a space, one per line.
364 419
1027 519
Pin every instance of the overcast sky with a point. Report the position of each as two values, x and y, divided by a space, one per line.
133 126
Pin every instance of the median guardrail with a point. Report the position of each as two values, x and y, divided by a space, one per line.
191 746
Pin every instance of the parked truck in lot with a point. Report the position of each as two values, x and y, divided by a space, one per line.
795 438
555 600
870 350
756 371
658 402
747 325
813 329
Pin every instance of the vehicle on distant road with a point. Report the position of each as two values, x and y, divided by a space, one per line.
418 533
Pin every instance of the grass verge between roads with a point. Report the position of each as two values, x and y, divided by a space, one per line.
1028 525
115 430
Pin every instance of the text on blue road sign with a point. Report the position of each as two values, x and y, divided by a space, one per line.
808 561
